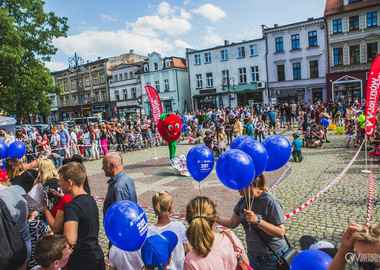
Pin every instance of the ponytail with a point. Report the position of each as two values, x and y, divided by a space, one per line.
161 203
201 216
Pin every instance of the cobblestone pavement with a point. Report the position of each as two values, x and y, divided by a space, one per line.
326 218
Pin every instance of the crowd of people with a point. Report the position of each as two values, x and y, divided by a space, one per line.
64 234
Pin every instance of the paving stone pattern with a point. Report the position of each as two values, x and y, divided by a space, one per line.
326 218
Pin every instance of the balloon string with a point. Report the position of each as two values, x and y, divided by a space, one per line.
200 191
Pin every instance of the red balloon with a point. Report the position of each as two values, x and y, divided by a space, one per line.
169 126
3 176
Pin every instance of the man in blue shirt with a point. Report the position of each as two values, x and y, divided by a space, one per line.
120 186
251 129
64 137
272 121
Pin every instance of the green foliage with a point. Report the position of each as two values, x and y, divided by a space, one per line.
26 34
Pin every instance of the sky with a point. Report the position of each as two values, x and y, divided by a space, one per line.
114 27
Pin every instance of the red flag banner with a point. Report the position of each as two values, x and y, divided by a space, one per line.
155 102
373 92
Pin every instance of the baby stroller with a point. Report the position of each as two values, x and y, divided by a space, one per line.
133 142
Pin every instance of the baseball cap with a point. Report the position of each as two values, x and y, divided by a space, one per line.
158 248
309 242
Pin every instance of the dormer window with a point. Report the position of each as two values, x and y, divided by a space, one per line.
145 68
155 66
167 64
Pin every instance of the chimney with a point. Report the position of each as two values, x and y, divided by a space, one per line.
226 42
131 51
310 19
275 25
99 57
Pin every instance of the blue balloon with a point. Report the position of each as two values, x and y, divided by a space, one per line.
279 151
200 162
238 140
245 112
126 225
305 103
235 169
184 128
311 259
3 149
324 122
258 154
17 149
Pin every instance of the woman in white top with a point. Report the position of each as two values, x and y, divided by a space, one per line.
87 142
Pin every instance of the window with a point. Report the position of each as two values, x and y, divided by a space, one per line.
338 56
295 42
80 83
208 57
297 71
241 52
62 102
280 73
131 75
73 85
102 78
97 96
372 19
155 66
166 83
242 75
134 93
197 58
354 1
66 86
120 77
226 76
146 68
224 54
115 78
354 54
372 51
314 73
147 83
117 95
87 81
95 79
104 96
337 26
199 80
253 50
209 80
75 100
255 74
157 86
125 76
125 94
313 40
279 45
354 22
167 64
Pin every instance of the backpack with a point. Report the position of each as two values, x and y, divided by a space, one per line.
13 248
245 129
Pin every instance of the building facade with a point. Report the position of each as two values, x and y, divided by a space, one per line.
296 61
125 89
87 84
228 76
353 39
169 76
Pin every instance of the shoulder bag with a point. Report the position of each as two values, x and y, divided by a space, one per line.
283 262
241 264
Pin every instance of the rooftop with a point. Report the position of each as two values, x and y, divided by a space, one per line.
336 6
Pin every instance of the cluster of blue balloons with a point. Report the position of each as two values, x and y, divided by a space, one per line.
325 122
246 160
311 259
126 225
15 149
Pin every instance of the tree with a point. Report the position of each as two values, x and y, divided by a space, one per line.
26 34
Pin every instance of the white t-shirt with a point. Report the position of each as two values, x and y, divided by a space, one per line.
73 137
86 138
178 254
124 260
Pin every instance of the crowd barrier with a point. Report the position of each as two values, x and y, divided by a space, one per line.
370 193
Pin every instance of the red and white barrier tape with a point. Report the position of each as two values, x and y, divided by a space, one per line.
370 193
333 183
279 179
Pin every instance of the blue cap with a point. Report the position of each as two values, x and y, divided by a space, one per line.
158 248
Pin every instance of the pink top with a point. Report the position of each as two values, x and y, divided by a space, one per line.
221 257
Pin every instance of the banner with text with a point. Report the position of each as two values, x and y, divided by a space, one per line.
155 102
373 85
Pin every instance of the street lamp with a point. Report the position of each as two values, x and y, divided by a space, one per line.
226 82
75 65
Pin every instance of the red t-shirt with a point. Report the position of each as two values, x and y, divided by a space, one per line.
61 205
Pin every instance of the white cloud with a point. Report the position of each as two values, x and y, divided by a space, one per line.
211 12
91 44
182 44
211 38
107 17
55 66
185 14
164 9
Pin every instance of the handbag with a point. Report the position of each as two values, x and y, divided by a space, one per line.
241 264
283 262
